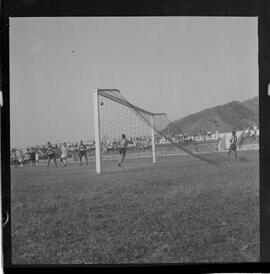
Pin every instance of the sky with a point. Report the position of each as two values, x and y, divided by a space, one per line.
176 65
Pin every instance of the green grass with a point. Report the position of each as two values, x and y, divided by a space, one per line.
180 210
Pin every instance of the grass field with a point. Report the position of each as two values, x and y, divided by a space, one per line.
180 210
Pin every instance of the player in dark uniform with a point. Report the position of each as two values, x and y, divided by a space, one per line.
123 144
75 152
51 154
233 145
83 152
32 154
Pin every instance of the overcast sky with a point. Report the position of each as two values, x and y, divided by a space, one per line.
177 65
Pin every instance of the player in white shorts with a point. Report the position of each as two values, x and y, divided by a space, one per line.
123 144
19 156
37 157
64 154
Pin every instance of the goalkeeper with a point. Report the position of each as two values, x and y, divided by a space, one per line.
123 144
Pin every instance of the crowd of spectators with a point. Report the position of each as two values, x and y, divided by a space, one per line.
144 142
202 135
20 155
251 132
39 152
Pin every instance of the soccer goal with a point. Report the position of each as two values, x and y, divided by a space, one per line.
149 135
115 116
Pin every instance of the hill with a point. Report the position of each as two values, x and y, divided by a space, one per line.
234 115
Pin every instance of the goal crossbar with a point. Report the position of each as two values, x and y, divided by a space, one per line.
106 93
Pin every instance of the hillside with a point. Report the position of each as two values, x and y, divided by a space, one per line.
234 115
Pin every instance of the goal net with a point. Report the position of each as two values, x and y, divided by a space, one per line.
151 136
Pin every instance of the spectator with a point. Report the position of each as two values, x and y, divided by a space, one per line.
252 133
37 156
217 134
83 152
32 154
186 136
255 130
51 152
180 137
248 132
75 152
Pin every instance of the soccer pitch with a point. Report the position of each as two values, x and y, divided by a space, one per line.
179 210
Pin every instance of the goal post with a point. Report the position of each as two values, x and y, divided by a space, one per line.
153 139
97 130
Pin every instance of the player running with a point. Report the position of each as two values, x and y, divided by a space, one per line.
123 144
51 154
233 145
83 152
64 154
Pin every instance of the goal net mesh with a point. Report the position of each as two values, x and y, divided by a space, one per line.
118 116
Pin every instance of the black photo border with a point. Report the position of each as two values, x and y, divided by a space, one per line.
227 8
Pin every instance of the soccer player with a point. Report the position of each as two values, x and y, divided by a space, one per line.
64 154
51 154
83 152
32 154
19 156
13 156
233 142
27 155
123 144
75 152
37 155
